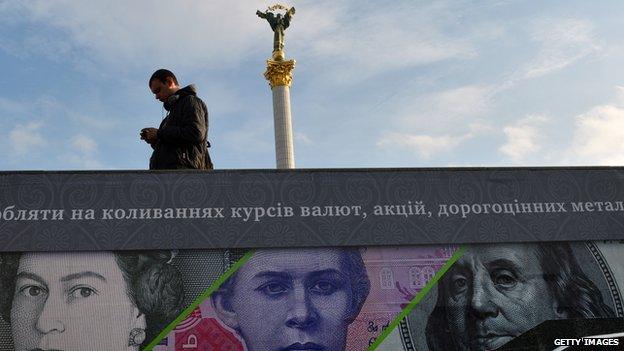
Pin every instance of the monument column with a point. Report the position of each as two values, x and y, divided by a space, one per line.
279 74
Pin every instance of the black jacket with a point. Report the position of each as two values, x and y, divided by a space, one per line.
182 135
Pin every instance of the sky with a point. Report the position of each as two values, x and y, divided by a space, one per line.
377 83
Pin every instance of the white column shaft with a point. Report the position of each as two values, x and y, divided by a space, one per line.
284 149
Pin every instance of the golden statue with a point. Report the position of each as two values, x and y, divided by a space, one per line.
278 23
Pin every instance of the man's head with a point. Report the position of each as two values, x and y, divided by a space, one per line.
494 293
294 299
163 83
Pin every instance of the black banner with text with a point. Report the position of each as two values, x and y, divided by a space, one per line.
65 211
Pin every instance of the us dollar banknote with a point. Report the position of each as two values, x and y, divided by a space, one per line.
495 293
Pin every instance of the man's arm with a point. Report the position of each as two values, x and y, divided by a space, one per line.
193 125
261 14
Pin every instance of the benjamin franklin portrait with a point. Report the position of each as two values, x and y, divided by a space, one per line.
494 293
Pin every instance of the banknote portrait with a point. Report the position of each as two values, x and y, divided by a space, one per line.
88 300
494 293
294 299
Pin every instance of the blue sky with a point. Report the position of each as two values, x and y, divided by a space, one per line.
377 84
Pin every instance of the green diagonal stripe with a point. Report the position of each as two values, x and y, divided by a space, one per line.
459 253
198 301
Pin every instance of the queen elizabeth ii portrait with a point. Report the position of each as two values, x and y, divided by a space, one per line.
88 300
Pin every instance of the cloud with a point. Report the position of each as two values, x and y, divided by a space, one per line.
434 68
351 47
599 137
562 42
11 108
82 153
594 138
83 144
302 138
462 102
51 134
619 94
125 34
25 139
523 138
249 145
423 145
559 43
219 34
438 122
441 111
426 146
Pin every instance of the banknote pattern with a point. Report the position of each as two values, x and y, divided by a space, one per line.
377 282
330 299
497 292
105 300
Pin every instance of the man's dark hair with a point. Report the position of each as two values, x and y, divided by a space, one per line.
162 75
576 294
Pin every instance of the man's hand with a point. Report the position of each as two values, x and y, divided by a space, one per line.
149 135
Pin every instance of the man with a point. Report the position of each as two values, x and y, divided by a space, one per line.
494 293
301 299
181 140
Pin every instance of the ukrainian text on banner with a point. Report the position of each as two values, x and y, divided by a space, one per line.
62 211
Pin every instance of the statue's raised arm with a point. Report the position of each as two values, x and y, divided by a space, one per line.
278 22
287 16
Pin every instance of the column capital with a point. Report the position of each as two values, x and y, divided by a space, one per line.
279 72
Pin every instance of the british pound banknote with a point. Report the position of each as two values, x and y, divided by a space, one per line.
102 300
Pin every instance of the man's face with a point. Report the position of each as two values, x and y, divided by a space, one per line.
494 294
161 90
293 300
